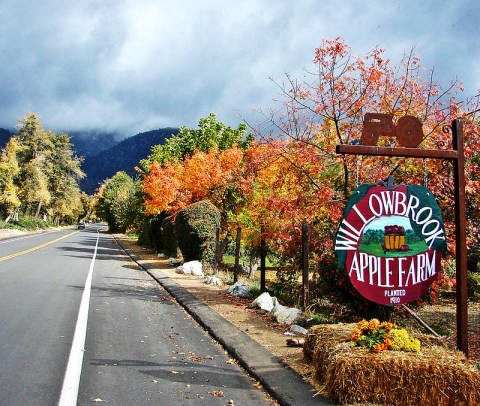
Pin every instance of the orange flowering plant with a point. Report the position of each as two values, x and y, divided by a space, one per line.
379 336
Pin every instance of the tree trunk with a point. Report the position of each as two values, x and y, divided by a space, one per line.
221 249
253 262
39 206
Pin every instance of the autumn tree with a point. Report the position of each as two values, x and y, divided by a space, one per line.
325 108
35 146
63 171
9 169
40 173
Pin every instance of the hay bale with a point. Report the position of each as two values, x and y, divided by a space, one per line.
323 341
326 335
436 376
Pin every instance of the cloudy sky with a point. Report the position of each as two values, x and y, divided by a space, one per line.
133 65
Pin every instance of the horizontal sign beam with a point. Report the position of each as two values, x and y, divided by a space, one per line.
397 151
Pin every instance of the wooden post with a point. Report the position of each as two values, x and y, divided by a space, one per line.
460 236
305 253
237 255
217 249
263 265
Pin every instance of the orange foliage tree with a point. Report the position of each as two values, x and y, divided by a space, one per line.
327 107
214 175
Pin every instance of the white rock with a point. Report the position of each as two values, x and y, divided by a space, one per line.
239 289
296 329
285 315
161 255
213 280
264 302
191 268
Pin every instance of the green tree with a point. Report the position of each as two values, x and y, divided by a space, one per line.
210 134
63 170
118 201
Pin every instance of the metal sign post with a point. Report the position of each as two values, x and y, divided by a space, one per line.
456 155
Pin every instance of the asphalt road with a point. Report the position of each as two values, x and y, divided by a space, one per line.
137 347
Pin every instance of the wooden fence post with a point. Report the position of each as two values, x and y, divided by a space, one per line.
305 253
237 255
263 265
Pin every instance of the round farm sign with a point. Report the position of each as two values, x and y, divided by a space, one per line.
390 242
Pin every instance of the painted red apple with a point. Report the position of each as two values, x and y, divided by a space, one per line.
404 248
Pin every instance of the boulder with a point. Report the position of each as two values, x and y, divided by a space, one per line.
213 280
263 302
285 315
239 289
296 329
191 268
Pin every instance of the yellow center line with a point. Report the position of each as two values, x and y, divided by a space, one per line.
35 248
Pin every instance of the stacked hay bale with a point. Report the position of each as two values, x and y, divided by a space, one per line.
435 376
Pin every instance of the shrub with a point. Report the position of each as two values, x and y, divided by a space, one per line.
151 232
472 285
155 231
144 236
196 228
168 236
28 223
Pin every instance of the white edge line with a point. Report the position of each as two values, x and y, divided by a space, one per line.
71 381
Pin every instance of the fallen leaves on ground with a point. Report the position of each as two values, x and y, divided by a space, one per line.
217 393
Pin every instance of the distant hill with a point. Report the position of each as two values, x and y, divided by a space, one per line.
124 156
4 137
88 143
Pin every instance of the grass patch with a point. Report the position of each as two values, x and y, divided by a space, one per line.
26 224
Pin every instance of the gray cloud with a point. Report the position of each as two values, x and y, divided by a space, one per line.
134 65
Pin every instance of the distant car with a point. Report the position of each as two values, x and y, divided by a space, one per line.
81 225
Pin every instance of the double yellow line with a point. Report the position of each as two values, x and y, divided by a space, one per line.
17 254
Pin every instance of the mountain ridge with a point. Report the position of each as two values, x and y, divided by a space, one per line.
123 156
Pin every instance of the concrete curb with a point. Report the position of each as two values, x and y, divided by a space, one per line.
280 381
